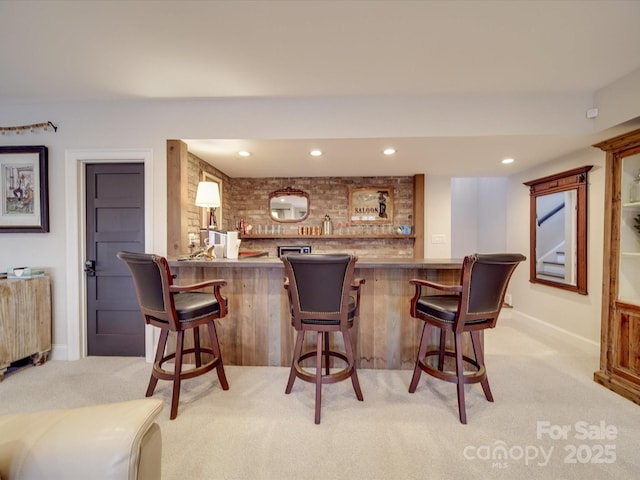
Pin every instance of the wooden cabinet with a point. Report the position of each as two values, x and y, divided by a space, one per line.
25 321
620 337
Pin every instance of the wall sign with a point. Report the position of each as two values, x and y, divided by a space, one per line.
371 205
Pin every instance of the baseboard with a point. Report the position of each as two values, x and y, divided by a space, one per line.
59 352
545 328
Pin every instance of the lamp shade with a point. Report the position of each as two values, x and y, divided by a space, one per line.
208 195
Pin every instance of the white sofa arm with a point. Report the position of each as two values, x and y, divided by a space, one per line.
111 441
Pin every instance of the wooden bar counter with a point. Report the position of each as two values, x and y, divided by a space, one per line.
257 331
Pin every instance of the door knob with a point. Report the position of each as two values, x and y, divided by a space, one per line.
90 267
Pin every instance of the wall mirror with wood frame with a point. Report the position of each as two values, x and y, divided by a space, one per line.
558 230
288 205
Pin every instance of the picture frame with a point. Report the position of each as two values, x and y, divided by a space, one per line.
371 205
24 202
204 212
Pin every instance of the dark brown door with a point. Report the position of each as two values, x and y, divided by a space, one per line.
114 222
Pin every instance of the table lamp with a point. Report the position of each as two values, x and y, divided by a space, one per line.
208 196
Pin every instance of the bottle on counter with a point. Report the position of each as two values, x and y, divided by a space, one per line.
327 225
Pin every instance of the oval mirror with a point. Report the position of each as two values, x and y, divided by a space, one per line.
559 230
288 205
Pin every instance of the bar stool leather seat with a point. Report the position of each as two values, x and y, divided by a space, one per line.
471 306
324 297
177 308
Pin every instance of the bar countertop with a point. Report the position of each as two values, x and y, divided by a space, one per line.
270 262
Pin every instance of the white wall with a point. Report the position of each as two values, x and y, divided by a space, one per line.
618 102
478 215
437 213
464 216
574 313
492 214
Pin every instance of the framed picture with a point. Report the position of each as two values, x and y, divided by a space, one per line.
371 205
207 177
25 193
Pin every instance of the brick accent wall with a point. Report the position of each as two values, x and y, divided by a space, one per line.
248 198
195 168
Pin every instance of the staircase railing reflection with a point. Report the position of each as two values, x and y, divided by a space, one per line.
547 216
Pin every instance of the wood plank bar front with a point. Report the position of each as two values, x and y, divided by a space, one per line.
257 330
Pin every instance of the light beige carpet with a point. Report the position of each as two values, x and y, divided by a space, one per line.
541 385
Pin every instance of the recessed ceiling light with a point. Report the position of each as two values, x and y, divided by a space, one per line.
315 153
508 160
244 153
389 151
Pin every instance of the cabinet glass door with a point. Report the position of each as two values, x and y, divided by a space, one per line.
629 269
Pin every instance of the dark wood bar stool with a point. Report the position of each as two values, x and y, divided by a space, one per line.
324 297
470 307
175 308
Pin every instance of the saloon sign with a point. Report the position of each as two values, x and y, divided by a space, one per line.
371 205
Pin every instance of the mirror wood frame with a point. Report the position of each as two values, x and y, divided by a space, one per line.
575 179
288 192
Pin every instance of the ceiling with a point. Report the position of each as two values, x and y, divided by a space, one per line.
105 51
